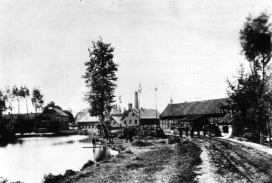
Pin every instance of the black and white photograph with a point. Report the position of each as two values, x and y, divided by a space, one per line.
135 91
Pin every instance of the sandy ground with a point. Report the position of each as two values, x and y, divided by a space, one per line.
206 170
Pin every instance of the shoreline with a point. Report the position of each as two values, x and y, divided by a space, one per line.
144 161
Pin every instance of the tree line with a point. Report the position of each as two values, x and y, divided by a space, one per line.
24 123
11 124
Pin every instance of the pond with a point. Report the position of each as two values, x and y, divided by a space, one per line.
30 159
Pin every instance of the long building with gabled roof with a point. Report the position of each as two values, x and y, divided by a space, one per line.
194 114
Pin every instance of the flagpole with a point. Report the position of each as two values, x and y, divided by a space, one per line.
140 89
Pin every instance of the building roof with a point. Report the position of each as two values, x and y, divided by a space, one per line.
191 118
80 115
144 113
115 112
228 118
195 108
60 112
88 118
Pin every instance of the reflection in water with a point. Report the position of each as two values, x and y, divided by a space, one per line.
29 160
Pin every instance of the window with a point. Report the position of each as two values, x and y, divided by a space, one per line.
136 122
132 114
125 122
129 121
225 129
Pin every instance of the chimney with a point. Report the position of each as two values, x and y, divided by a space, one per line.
129 105
136 101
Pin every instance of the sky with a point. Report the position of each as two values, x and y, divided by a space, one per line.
186 48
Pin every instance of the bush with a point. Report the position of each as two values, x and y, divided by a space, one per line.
89 163
141 143
50 178
69 173
23 125
173 140
188 157
253 137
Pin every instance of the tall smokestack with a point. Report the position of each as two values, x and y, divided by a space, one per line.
136 102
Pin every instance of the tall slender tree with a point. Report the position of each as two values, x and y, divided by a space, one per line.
37 99
16 94
249 94
24 93
255 39
10 98
100 78
37 102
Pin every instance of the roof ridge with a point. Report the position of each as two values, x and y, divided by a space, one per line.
199 101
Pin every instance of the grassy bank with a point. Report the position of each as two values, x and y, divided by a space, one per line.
141 162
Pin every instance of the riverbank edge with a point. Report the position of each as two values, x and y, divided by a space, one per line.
158 159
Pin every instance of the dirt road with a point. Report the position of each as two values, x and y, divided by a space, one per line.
233 162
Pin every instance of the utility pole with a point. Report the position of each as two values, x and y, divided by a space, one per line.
139 90
156 110
156 99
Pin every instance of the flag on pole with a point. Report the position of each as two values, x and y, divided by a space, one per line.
140 88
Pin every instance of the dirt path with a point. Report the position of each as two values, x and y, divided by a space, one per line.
206 170
236 163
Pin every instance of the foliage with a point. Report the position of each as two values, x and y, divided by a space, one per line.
249 95
17 94
187 158
25 94
22 124
173 140
89 163
6 129
255 39
100 78
71 116
129 132
50 178
53 105
37 99
141 143
3 107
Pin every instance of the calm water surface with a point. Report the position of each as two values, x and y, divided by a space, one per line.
30 160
